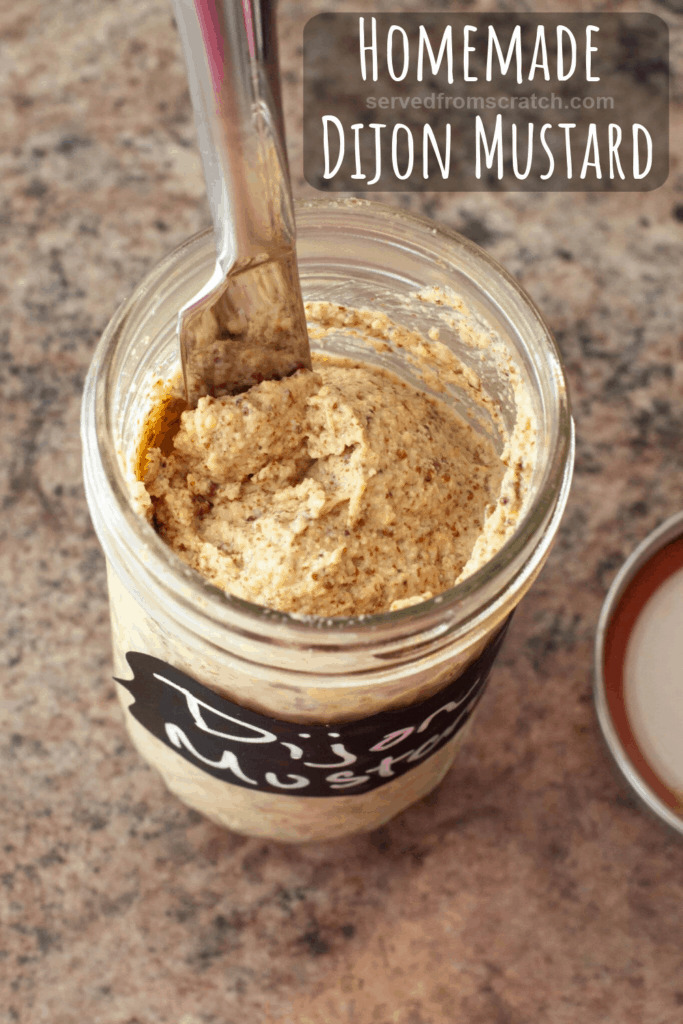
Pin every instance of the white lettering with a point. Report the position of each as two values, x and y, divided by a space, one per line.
589 50
392 738
295 752
444 165
394 151
390 53
567 145
299 781
384 768
591 150
345 780
551 158
425 749
340 750
637 173
356 128
562 74
514 50
435 62
529 152
542 61
228 760
451 706
194 706
331 119
372 47
496 145
614 160
378 152
466 51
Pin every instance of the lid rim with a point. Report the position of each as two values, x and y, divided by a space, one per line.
667 531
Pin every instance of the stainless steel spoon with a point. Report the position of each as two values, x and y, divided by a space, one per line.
247 323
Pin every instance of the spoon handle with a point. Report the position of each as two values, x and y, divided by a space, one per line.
230 50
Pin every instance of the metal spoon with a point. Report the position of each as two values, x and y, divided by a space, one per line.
247 323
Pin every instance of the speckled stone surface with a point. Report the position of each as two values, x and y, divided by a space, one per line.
530 887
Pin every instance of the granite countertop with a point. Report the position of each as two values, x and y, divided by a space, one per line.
530 887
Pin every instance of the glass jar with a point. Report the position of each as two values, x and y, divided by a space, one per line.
239 672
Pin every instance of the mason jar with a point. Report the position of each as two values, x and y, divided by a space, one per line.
303 728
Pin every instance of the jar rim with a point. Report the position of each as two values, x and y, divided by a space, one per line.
455 608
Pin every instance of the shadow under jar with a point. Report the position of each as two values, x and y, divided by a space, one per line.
309 728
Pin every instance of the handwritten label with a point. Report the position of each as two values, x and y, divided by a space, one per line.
252 750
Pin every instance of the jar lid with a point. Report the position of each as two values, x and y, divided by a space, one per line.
639 671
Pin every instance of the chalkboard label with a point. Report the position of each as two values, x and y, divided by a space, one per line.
252 750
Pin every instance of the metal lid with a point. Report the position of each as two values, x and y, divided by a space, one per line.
639 671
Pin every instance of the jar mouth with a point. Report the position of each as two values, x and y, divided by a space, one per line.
459 606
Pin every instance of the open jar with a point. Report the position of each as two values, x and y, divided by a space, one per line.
302 728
